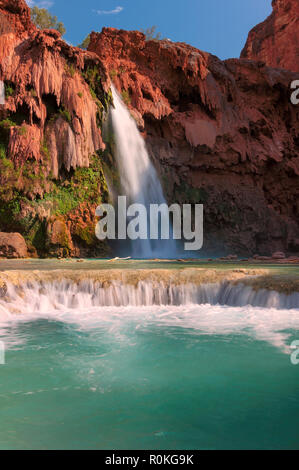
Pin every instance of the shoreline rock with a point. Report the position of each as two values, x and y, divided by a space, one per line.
12 245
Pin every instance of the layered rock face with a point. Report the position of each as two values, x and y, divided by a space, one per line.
55 99
221 133
276 40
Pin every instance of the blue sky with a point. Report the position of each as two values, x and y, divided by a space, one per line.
216 26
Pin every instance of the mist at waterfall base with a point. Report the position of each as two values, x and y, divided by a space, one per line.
139 182
94 370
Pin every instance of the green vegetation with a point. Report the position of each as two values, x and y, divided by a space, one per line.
5 126
70 69
126 97
31 198
2 151
113 73
102 99
9 89
43 19
86 185
22 131
44 149
33 92
32 187
85 43
7 123
66 115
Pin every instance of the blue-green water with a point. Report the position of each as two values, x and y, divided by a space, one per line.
150 378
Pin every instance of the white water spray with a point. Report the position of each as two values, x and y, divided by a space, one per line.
2 92
40 296
139 178
216 309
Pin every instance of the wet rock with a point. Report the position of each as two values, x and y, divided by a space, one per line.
59 240
12 245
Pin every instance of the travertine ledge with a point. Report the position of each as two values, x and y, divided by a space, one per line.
256 278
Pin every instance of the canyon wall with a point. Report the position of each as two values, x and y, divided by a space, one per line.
221 133
51 173
276 41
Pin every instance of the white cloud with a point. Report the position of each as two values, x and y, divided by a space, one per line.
110 12
41 4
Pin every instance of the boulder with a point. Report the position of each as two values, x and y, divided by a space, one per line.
12 245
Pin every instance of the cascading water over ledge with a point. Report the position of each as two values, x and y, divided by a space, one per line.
57 295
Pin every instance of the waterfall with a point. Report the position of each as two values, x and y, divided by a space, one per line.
139 179
2 92
42 297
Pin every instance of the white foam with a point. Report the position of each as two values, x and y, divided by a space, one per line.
119 308
45 296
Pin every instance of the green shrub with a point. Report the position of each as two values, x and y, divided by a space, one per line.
126 97
113 73
70 69
22 131
44 149
85 43
7 123
33 93
2 150
66 115
9 91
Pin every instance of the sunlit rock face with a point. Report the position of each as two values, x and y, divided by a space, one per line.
275 41
46 76
220 132
51 108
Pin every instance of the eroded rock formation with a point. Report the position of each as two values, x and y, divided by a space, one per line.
49 129
276 40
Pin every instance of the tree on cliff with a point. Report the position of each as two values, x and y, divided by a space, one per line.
85 43
151 33
43 19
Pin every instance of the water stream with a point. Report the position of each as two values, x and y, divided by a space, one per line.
139 179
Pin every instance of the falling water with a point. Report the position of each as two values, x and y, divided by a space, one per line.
139 179
2 92
63 294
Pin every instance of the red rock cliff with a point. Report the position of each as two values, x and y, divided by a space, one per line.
222 133
49 128
276 40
